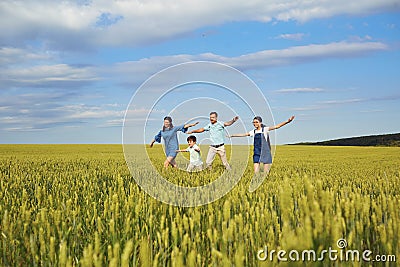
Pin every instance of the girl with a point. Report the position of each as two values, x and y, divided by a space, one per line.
262 146
170 136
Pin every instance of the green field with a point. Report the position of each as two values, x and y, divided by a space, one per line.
77 205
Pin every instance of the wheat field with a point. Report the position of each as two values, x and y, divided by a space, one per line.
78 205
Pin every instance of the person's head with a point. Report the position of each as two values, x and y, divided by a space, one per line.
191 140
167 123
213 117
257 122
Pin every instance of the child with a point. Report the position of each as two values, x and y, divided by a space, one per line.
262 146
216 129
194 150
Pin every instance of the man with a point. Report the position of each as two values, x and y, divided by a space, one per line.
216 130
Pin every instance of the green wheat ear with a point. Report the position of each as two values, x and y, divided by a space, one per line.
256 181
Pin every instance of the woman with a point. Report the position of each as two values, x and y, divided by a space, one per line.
170 136
262 146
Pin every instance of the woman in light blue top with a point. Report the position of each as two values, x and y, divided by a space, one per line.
170 136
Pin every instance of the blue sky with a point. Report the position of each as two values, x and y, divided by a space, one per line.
69 69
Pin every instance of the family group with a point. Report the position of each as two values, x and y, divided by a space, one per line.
216 129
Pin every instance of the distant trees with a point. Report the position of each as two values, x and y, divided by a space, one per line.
371 140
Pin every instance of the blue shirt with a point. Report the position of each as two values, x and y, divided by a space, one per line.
170 139
216 132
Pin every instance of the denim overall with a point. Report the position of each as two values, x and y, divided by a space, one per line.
262 148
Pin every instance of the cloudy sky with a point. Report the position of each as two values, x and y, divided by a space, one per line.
69 69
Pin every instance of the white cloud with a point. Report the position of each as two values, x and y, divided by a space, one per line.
71 25
300 90
329 103
306 108
343 101
32 112
58 75
371 111
360 38
80 112
300 54
144 68
11 55
27 112
132 73
291 36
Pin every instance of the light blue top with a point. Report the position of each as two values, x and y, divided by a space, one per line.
216 132
170 137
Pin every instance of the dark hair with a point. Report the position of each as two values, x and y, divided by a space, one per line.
259 119
191 137
168 118
215 113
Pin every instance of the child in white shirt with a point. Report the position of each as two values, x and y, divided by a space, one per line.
194 150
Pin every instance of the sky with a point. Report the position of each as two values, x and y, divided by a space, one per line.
69 69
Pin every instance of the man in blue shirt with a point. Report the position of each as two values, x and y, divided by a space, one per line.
216 130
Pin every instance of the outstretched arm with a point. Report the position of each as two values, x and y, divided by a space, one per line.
200 130
239 135
181 150
156 138
152 143
229 123
281 124
190 124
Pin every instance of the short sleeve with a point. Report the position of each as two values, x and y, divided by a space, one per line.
207 127
221 124
158 137
266 131
251 133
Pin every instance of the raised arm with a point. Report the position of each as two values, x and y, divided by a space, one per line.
190 124
229 123
281 124
238 135
200 130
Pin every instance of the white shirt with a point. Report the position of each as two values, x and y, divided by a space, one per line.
260 131
194 155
